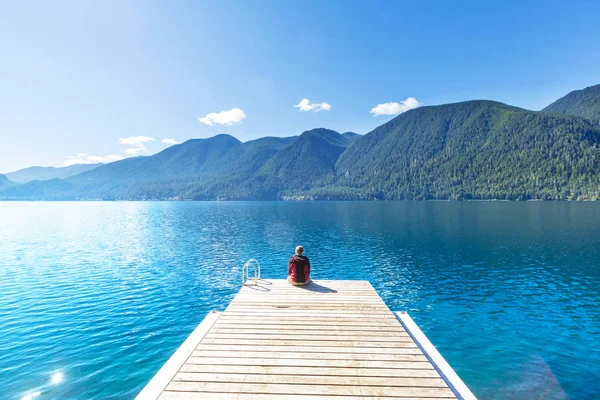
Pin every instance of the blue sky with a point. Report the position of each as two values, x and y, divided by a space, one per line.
80 77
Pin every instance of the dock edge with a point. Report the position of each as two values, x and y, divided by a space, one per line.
441 365
163 377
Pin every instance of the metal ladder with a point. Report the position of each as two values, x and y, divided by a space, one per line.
246 270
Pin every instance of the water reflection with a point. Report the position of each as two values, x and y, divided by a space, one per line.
508 292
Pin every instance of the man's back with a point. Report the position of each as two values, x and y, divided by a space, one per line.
298 270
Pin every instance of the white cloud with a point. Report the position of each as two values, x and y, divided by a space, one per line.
394 108
306 105
138 143
83 158
136 146
229 117
135 140
135 150
169 141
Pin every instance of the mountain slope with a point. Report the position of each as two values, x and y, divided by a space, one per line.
210 168
46 173
52 189
5 182
475 149
308 160
183 160
238 168
232 177
351 136
157 176
583 103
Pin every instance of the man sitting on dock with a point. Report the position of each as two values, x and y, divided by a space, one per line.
299 268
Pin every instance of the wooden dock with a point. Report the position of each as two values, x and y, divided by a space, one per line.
329 340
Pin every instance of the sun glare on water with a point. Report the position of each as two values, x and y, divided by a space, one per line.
56 378
30 396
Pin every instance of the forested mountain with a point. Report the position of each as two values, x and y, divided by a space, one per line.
191 158
475 149
53 189
306 162
583 103
351 136
468 150
5 182
46 173
197 169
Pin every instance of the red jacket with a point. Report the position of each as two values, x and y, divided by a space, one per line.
299 269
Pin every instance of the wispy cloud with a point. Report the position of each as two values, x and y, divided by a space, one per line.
394 108
138 144
169 141
83 158
135 140
305 105
135 150
229 117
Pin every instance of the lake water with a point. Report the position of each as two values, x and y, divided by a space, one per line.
95 297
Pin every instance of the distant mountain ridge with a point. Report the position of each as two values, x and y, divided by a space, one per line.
5 182
476 149
46 173
583 103
351 136
217 167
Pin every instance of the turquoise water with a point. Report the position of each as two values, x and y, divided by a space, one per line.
101 294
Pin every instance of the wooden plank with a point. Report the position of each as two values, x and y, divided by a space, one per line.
320 282
310 349
361 321
325 330
314 287
322 371
308 291
312 303
169 395
309 379
267 296
302 343
309 389
289 336
409 356
303 327
311 315
260 308
323 296
308 299
302 293
291 323
311 325
310 312
299 362
359 294
286 294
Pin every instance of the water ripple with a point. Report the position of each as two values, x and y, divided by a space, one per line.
103 293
